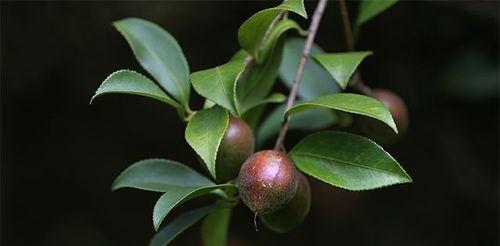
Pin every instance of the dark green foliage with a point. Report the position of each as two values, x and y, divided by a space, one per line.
236 94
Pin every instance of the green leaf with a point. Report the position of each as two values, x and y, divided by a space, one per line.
370 8
204 133
159 175
350 103
215 226
178 225
240 55
133 83
315 80
296 6
347 161
342 65
217 84
175 197
252 32
255 83
252 116
311 120
279 29
273 98
159 54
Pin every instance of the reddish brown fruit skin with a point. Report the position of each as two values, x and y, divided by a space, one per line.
267 181
377 130
236 146
396 106
293 213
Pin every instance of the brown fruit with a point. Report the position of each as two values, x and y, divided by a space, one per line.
267 181
236 146
396 106
378 131
293 213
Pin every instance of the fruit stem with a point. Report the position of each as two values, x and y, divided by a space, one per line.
361 87
255 222
306 52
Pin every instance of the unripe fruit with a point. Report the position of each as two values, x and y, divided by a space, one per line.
377 130
293 213
267 181
236 146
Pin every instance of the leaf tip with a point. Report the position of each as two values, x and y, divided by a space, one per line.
395 128
407 178
116 184
156 226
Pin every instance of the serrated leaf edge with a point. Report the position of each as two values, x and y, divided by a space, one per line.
124 172
214 174
409 179
312 104
157 224
363 53
177 84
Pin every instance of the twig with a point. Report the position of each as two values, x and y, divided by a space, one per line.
356 82
349 37
306 52
361 87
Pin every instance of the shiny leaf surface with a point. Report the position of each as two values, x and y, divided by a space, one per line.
133 83
342 65
159 54
178 225
350 103
159 175
316 81
204 133
175 197
217 84
347 161
252 32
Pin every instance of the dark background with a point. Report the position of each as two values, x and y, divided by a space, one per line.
60 155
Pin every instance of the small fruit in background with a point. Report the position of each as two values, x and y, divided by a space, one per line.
267 181
293 213
236 146
396 105
378 131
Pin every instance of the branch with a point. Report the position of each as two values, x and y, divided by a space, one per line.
306 52
356 83
349 37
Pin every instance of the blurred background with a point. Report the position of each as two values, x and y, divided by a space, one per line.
59 155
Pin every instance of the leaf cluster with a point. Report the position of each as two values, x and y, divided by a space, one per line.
271 45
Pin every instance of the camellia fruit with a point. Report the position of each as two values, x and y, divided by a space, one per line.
294 212
396 106
236 146
267 181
